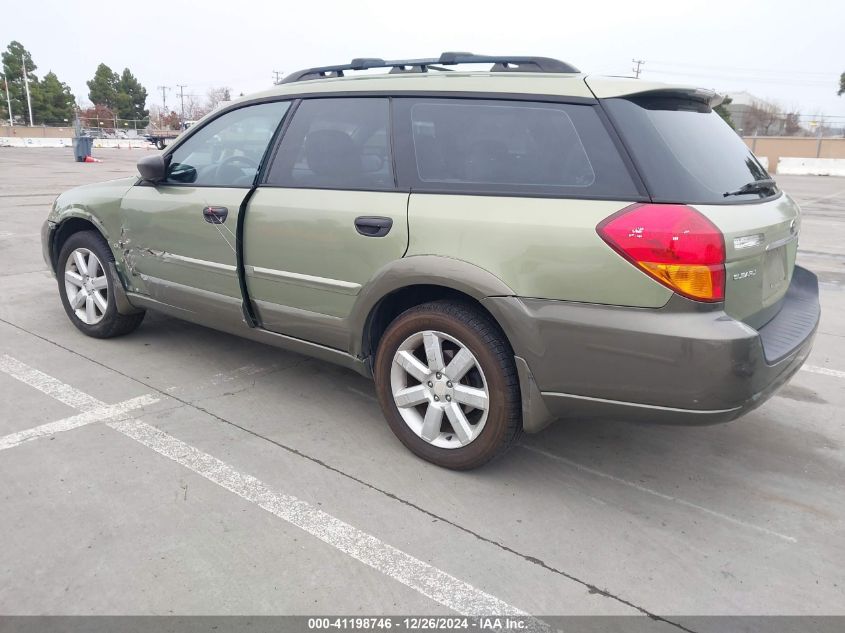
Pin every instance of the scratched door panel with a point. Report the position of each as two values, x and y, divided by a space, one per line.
167 240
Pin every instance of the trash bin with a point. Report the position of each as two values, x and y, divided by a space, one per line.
82 147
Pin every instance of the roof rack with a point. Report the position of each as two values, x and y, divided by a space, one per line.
500 64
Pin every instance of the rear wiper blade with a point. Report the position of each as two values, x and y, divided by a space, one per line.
754 186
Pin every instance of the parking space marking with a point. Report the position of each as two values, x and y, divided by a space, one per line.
824 371
47 384
398 565
661 495
412 572
99 414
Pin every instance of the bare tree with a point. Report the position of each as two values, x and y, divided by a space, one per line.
216 96
195 108
792 123
761 117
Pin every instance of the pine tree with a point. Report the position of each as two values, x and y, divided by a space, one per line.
53 102
12 69
722 111
102 89
132 97
123 94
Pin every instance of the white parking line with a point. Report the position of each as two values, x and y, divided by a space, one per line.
49 385
661 495
99 414
824 371
412 572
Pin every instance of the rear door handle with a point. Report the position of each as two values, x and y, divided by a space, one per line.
373 226
215 215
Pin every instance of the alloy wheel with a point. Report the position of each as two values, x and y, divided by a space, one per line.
440 389
86 286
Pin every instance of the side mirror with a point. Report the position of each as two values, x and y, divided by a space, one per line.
153 168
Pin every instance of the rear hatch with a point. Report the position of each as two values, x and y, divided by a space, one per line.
686 154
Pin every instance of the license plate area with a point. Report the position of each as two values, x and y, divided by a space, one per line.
774 272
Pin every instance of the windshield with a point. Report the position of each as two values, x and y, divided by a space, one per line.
686 152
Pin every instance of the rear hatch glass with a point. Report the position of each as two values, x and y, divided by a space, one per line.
687 154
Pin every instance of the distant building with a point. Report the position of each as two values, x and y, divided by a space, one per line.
752 115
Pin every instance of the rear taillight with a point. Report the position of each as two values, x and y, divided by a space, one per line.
672 243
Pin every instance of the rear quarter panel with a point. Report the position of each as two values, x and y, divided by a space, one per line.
540 247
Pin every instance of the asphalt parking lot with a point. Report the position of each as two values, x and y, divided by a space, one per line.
181 470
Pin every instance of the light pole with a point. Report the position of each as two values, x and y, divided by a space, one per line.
26 85
8 102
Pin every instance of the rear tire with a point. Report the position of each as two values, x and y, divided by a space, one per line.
447 384
87 289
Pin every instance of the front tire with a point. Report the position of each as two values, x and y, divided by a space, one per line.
447 384
87 289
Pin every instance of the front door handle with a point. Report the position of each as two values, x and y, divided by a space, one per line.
373 226
215 215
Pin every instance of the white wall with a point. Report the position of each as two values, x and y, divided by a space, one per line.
99 143
811 166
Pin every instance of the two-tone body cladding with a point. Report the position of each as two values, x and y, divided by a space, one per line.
495 249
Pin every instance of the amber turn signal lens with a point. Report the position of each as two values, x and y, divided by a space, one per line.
704 283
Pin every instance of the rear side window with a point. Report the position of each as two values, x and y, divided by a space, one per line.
509 147
336 144
684 151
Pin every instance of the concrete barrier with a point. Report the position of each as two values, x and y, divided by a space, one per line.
122 143
13 141
811 166
764 161
99 143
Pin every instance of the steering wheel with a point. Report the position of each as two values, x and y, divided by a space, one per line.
228 163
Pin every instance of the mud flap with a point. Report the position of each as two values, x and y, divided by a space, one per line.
120 298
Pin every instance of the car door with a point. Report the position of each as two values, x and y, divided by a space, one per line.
326 218
178 236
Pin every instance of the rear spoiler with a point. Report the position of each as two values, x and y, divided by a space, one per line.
627 87
701 95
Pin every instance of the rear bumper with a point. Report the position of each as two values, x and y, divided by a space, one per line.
685 363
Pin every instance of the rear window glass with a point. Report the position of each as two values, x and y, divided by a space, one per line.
512 147
685 151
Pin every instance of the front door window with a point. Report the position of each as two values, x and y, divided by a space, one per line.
227 152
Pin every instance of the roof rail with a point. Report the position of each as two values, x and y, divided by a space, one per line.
499 64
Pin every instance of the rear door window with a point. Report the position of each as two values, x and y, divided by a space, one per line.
684 151
508 147
333 143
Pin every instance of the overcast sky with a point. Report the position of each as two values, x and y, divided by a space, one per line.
787 51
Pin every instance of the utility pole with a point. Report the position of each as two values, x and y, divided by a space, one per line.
26 84
8 102
637 71
277 77
164 90
182 100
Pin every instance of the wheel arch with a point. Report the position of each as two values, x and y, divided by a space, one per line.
412 281
415 280
67 226
72 224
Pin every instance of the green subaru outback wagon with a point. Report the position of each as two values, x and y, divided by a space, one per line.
497 249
